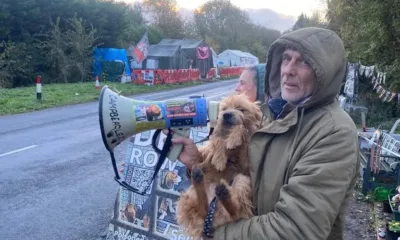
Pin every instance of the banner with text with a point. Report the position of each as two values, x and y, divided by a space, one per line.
151 216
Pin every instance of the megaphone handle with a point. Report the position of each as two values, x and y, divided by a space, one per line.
177 148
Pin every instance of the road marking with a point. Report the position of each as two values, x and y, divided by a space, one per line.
17 150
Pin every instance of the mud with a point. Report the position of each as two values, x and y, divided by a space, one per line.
359 221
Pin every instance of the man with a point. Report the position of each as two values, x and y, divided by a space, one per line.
304 161
251 83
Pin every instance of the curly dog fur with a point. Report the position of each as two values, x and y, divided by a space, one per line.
223 159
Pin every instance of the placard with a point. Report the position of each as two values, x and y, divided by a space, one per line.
151 216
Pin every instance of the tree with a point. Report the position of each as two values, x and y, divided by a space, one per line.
314 21
221 21
191 30
33 44
81 39
166 17
14 64
370 31
56 45
225 26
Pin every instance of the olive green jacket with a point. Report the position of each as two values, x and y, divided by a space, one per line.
303 166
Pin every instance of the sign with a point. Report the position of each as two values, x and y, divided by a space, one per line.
148 77
151 216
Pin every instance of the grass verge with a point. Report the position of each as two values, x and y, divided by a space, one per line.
20 100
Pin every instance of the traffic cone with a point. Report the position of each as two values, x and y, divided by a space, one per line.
97 83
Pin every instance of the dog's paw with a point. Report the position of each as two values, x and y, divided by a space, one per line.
222 192
197 175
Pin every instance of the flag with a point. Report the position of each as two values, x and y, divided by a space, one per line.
140 51
202 52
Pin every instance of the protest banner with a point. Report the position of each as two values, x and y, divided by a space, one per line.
150 216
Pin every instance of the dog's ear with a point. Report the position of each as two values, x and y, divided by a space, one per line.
236 137
217 154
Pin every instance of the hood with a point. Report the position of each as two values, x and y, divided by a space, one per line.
260 69
323 50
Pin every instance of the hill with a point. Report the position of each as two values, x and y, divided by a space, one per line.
265 17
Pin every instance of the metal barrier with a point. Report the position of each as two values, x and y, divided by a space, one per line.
378 170
172 76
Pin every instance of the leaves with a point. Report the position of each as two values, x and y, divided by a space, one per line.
166 17
55 39
371 34
225 26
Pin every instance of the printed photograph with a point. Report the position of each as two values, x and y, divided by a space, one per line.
180 109
148 113
165 214
173 182
135 210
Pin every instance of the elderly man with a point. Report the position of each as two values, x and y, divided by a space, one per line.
304 161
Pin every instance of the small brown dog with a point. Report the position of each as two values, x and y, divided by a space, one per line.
211 200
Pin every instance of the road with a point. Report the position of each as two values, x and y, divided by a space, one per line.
56 179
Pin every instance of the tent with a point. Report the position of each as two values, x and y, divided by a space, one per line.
197 51
232 58
214 58
110 55
165 57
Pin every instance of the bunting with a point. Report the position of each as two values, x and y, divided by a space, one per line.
378 80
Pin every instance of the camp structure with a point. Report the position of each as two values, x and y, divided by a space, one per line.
198 53
234 58
165 57
112 63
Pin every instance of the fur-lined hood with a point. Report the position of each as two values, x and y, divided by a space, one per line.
323 50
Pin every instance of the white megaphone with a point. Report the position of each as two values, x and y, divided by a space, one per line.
121 117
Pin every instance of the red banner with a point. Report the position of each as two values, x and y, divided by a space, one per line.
203 52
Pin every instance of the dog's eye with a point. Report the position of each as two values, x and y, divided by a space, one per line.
241 109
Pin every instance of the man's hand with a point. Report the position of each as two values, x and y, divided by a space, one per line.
189 152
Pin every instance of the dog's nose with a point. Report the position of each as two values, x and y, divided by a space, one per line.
227 116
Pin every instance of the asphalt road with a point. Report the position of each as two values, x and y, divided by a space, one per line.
56 178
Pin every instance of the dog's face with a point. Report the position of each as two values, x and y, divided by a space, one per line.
130 212
172 178
237 110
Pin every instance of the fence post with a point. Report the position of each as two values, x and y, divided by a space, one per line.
39 87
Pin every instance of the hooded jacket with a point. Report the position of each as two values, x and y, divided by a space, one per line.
260 78
303 165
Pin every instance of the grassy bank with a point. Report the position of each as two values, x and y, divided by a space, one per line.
19 100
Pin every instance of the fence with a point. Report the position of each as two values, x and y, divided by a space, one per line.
172 76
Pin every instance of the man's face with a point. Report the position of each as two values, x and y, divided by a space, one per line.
298 79
247 86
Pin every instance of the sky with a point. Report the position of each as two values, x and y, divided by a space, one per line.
287 7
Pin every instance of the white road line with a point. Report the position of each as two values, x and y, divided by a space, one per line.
17 150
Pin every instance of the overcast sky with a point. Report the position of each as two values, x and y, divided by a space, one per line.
287 7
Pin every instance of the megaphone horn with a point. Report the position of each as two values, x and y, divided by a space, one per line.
121 117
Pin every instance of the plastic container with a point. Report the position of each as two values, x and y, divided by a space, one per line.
381 194
395 210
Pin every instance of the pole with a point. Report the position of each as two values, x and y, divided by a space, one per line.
39 87
364 125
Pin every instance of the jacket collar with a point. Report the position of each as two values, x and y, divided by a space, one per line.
289 113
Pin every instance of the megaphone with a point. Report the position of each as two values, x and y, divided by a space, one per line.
121 117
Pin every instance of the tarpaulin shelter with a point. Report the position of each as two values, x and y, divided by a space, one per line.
233 58
197 51
110 55
165 57
214 58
